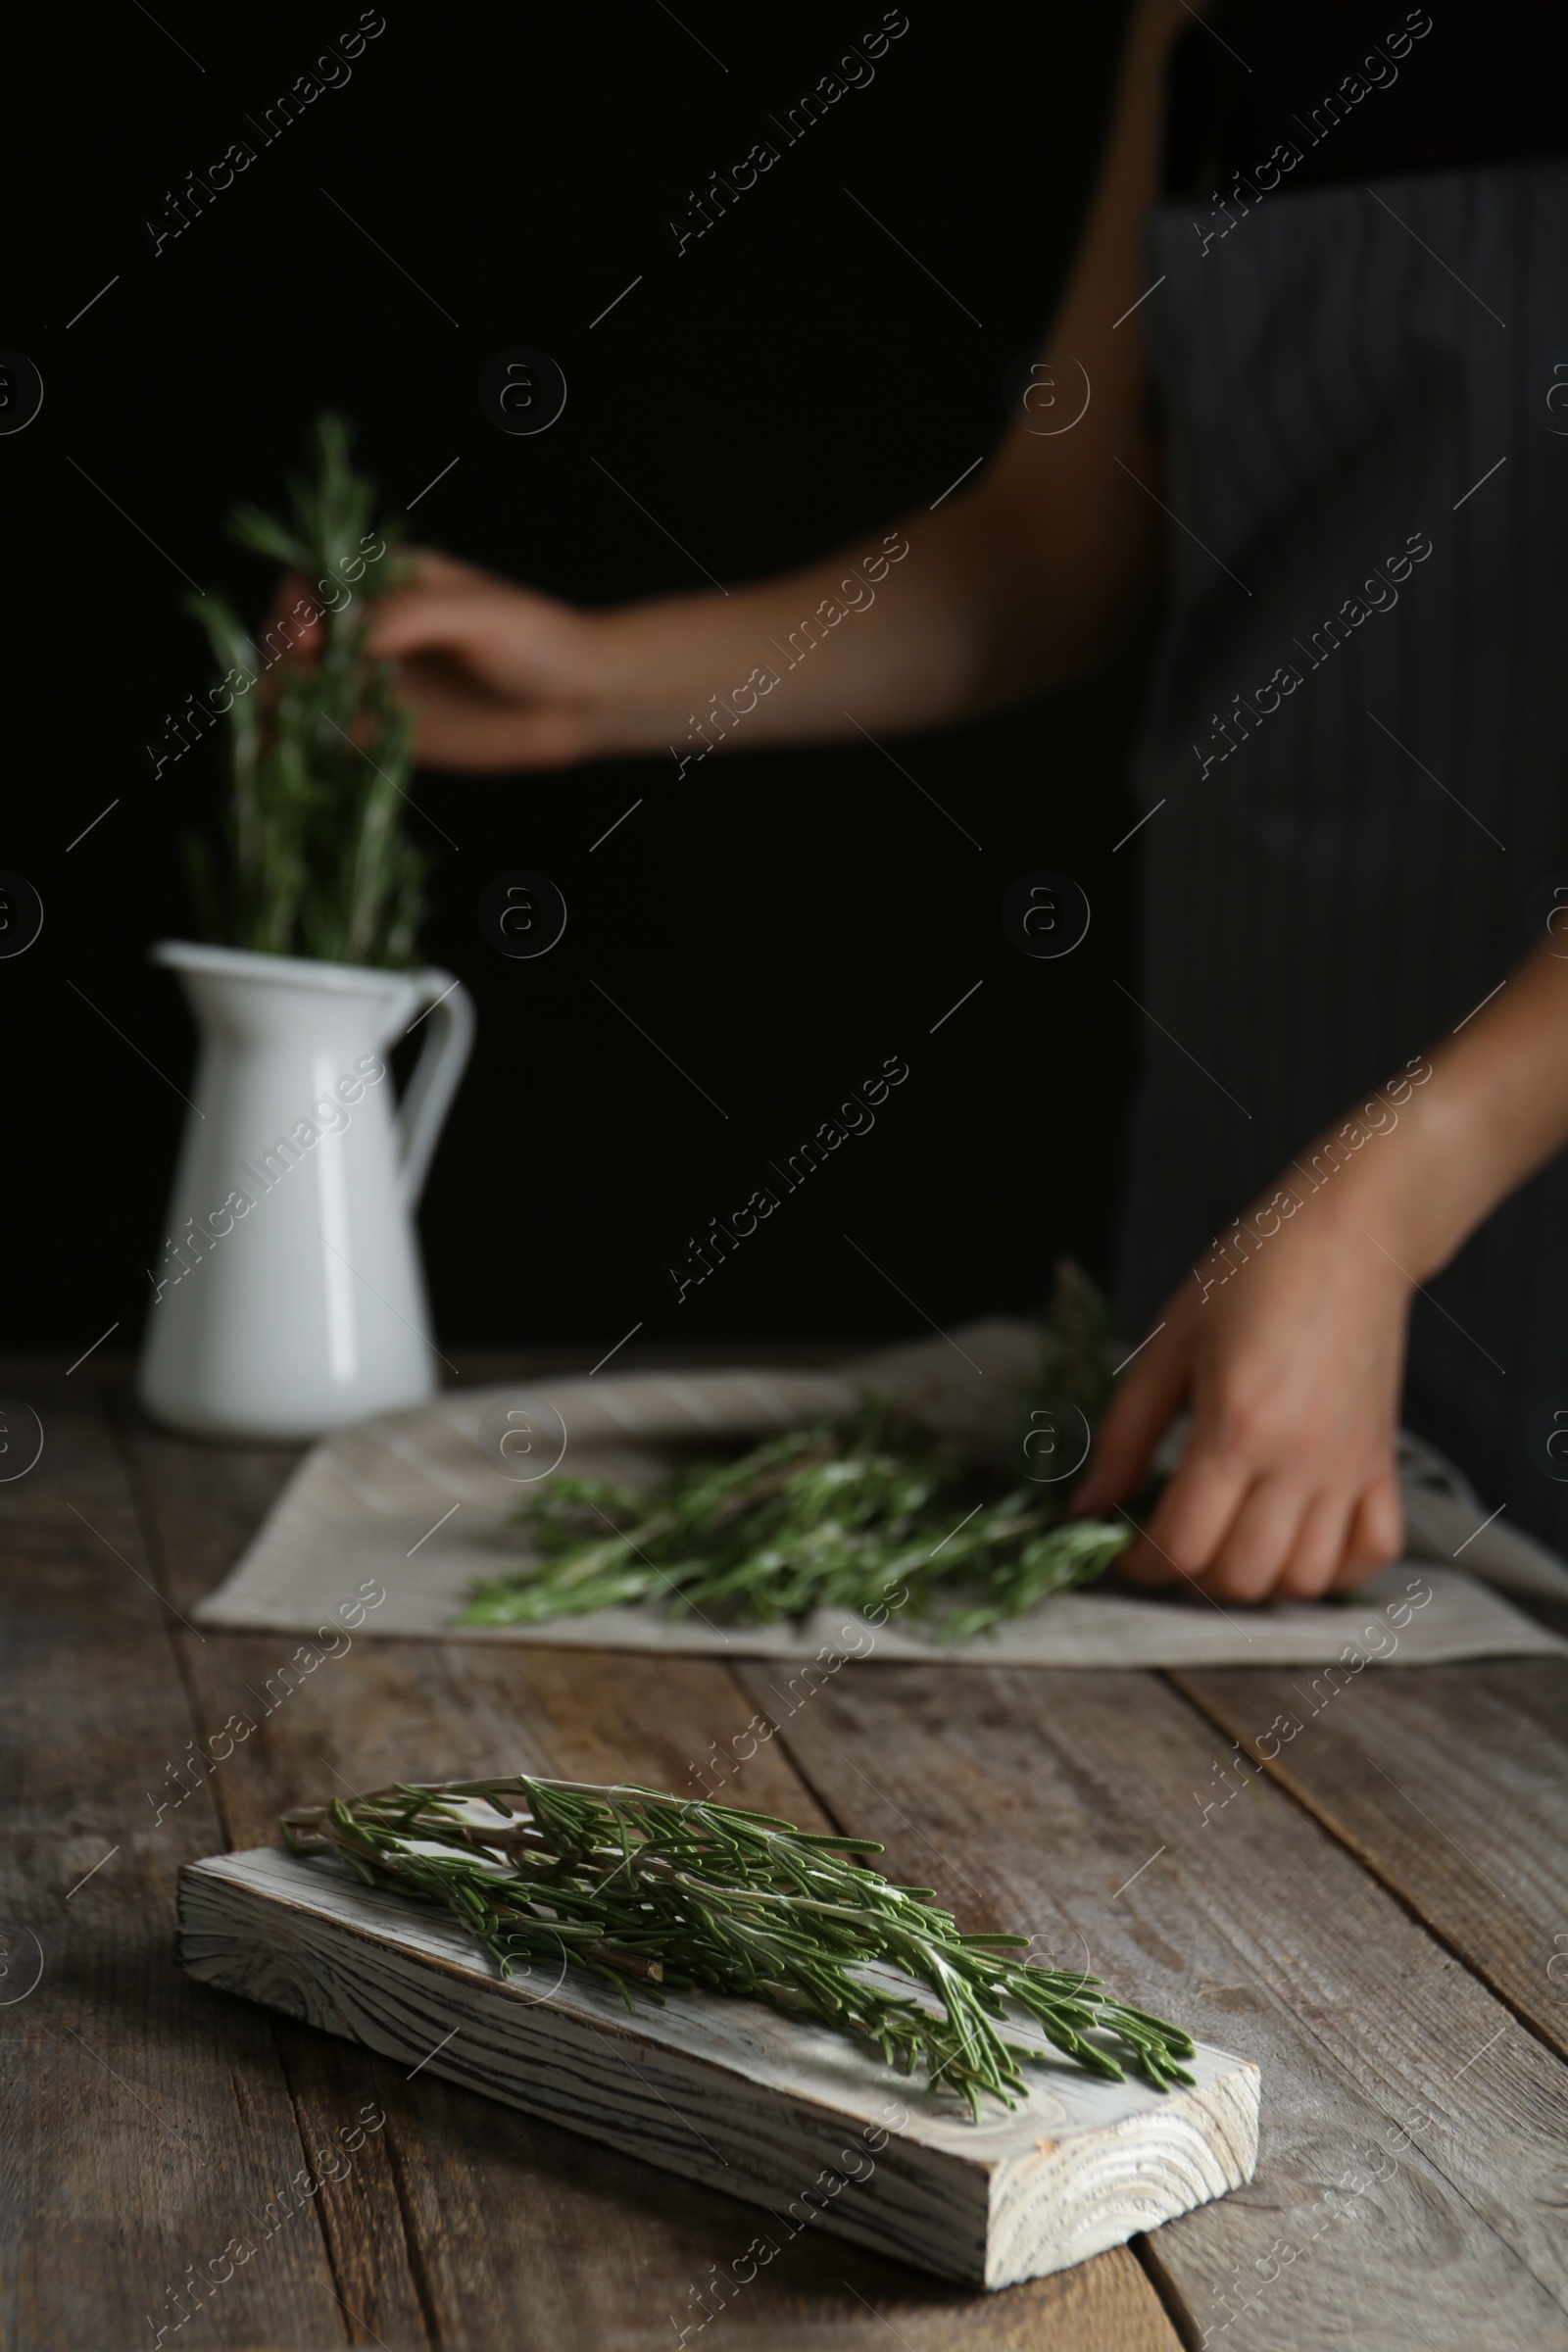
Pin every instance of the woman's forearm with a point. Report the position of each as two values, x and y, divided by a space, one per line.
942 619
887 632
1492 1111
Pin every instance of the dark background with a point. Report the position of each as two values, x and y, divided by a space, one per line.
780 923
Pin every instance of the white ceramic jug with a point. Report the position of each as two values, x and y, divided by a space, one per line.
288 1297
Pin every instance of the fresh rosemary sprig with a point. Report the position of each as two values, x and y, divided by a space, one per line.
637 1886
868 1512
317 859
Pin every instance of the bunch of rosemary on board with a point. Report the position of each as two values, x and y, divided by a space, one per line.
641 1887
315 858
869 1511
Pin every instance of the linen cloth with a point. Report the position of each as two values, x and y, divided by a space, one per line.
415 1505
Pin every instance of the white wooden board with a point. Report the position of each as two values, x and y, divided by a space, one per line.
790 2115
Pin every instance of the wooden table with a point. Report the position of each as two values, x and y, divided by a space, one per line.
1379 1916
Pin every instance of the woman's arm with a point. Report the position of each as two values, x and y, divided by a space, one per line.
1288 1345
1023 581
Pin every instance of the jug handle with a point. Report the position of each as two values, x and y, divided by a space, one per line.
422 1112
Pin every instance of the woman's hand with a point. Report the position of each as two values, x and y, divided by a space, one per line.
497 676
1291 1369
1291 1365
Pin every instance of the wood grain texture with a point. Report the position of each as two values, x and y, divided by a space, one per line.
140 2132
514 2232
1400 2200
1452 1786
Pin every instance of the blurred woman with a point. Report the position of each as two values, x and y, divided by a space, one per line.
1312 316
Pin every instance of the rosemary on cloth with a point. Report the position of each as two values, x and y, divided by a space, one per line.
870 1511
641 1887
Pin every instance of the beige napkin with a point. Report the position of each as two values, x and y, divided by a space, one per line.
386 1526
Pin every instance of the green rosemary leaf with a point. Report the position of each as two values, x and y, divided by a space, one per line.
642 1890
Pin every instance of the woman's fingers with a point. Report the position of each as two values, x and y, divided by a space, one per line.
1137 1418
1237 1539
1376 1535
456 619
433 569
463 724
287 627
1191 1520
496 676
1260 1541
1319 1550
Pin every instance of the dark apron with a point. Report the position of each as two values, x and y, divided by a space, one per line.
1342 864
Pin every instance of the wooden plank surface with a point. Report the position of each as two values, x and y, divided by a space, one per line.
1451 1785
519 2234
1406 2197
141 2131
1414 2178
